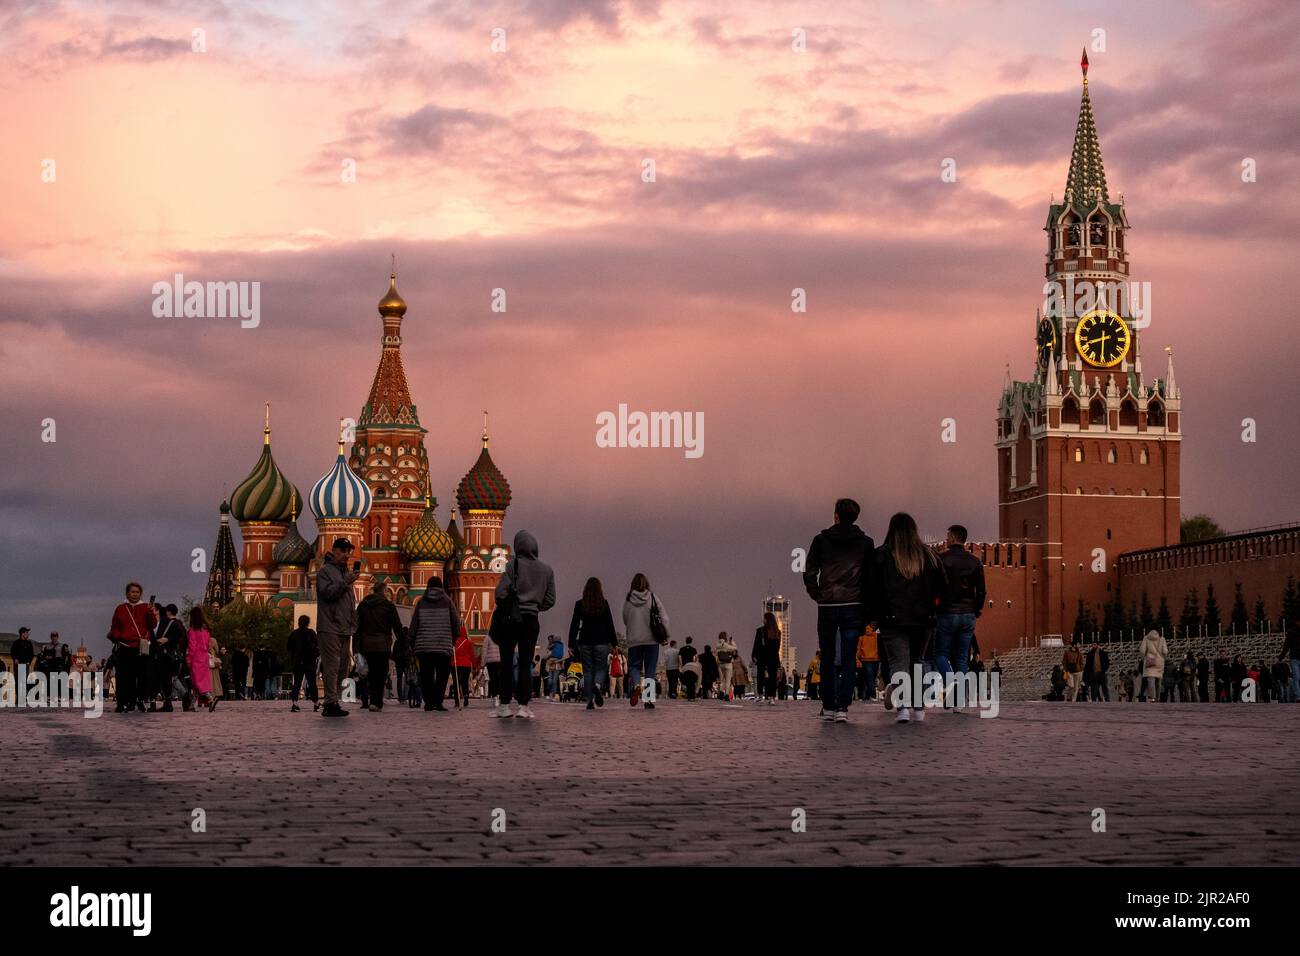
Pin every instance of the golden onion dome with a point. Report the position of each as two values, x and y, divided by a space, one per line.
392 304
426 540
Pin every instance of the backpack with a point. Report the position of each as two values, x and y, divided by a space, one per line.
726 656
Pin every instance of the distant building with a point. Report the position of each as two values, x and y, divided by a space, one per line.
779 607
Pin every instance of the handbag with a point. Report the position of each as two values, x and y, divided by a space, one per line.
506 615
657 629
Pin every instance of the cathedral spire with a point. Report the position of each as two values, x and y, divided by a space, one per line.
1085 185
389 402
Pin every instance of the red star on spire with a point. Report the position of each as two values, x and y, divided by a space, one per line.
1084 62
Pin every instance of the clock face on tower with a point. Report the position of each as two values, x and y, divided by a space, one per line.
1047 341
1102 338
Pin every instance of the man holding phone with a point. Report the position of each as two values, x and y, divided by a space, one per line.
336 620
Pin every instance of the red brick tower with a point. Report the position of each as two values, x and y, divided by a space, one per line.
1088 448
483 496
389 455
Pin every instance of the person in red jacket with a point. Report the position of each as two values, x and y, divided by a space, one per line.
464 666
133 622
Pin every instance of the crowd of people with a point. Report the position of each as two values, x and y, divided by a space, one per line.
880 610
1159 676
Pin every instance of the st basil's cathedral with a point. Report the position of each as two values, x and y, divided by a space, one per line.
378 497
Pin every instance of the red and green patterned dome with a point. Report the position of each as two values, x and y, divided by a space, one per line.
484 488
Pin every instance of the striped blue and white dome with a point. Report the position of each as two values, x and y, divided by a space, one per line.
340 493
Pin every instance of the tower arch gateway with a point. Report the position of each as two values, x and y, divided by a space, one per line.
1087 377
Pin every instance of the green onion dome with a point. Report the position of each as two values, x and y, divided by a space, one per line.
266 494
426 540
292 548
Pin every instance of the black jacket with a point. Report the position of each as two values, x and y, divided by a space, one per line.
377 625
591 631
765 648
23 651
239 665
687 653
709 671
177 640
965 573
836 571
1088 662
902 602
304 648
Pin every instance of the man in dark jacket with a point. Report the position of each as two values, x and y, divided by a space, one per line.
239 670
962 602
532 582
168 650
261 670
377 627
23 651
1094 674
336 621
304 650
836 576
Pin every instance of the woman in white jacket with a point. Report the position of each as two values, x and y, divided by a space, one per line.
1153 652
642 648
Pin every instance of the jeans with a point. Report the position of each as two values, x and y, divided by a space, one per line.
642 661
901 645
867 679
377 677
304 674
271 690
595 668
838 630
952 636
434 670
517 681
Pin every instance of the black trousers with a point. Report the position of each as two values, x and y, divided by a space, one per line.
765 679
434 670
517 682
376 677
674 676
304 671
164 669
494 677
127 677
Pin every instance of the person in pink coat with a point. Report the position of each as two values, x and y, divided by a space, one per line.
197 657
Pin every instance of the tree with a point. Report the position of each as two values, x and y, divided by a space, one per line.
1262 624
1164 622
1290 603
1191 616
1213 617
1080 622
1146 620
248 625
1132 621
1199 528
1240 616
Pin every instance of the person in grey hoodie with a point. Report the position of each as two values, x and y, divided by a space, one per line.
642 648
534 582
336 621
432 634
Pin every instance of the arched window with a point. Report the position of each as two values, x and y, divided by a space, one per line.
377 538
1097 412
1110 455
1143 457
1070 411
1128 413
1097 232
1078 453
1156 414
1078 490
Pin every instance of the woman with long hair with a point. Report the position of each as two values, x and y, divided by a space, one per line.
767 658
907 582
198 656
591 635
642 648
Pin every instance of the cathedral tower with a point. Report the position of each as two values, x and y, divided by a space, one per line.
263 505
1088 448
483 496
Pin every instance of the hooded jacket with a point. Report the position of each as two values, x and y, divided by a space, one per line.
531 577
377 625
837 569
636 617
434 624
336 607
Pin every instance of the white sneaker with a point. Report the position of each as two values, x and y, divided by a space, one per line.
841 716
525 712
904 716
499 711
920 713
826 715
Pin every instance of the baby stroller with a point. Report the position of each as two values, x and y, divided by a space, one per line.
570 686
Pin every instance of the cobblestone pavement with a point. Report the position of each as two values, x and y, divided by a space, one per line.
687 783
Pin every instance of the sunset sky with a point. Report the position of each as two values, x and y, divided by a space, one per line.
521 170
